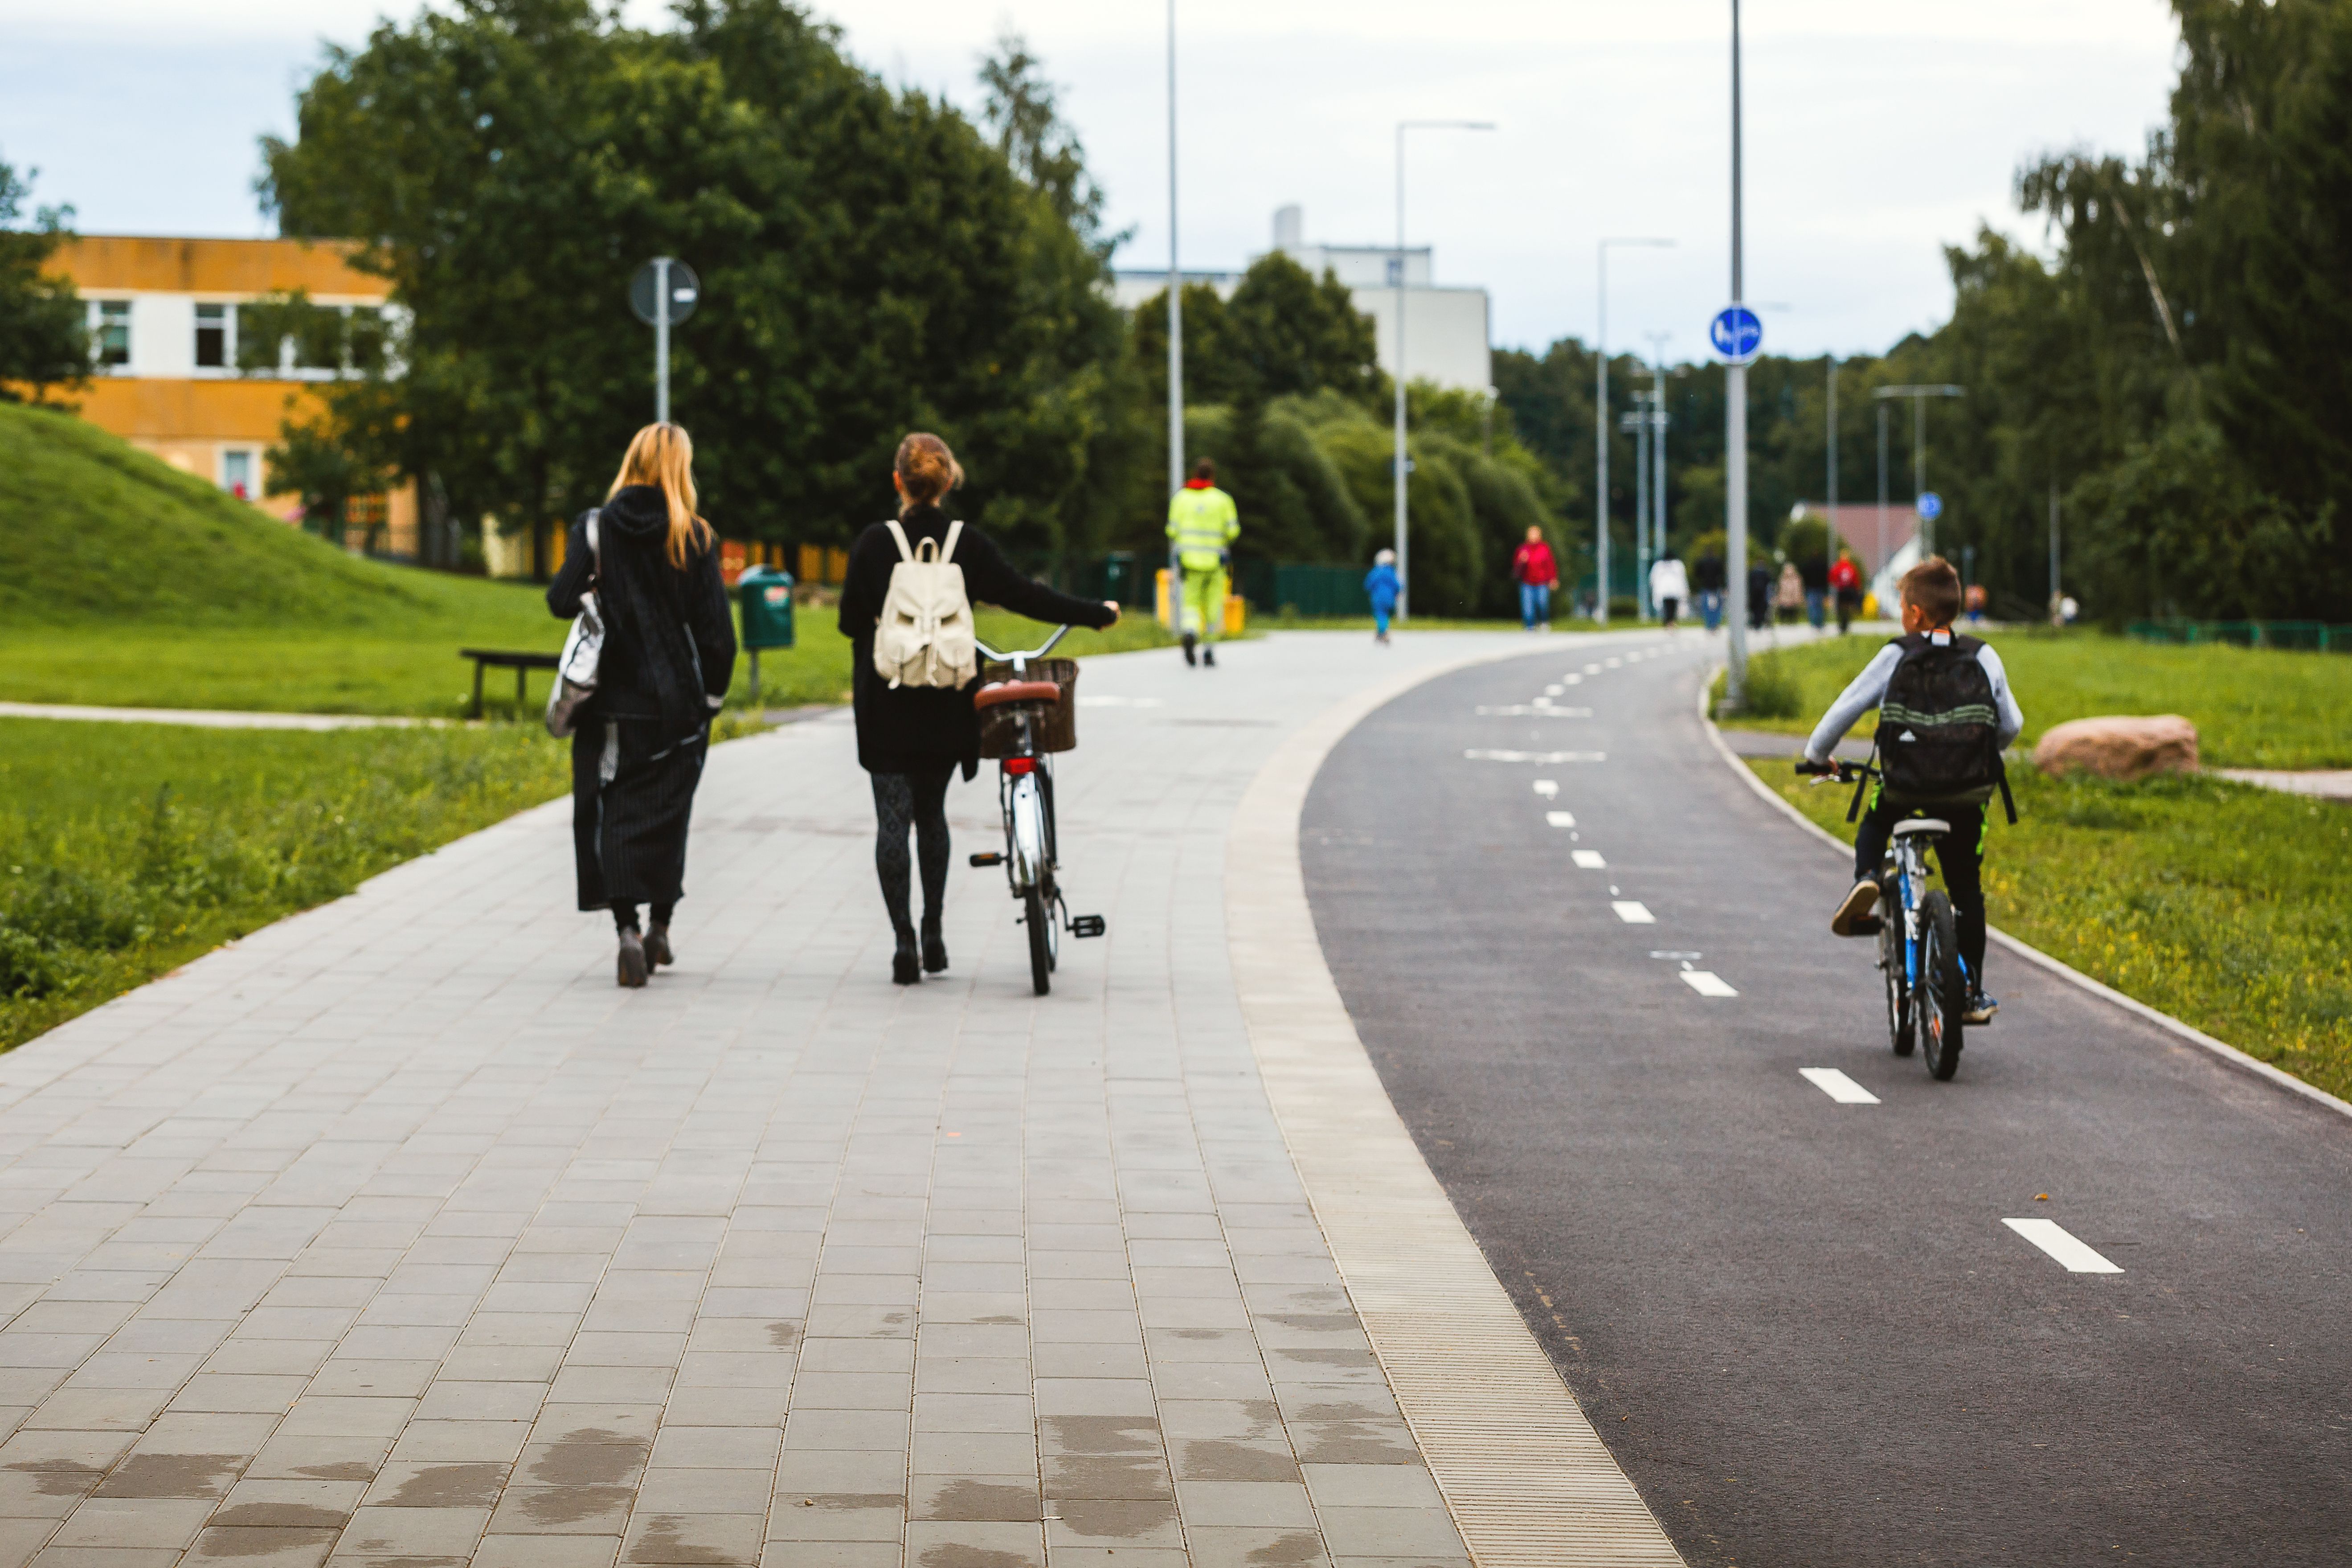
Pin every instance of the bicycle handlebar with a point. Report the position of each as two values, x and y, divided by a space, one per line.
1021 658
1843 772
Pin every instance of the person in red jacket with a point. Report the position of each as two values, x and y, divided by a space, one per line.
1846 587
1538 574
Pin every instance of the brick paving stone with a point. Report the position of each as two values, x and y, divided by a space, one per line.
394 1232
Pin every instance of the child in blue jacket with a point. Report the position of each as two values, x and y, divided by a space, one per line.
1381 585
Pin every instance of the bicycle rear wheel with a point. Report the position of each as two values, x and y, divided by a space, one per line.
1943 995
1038 916
1890 960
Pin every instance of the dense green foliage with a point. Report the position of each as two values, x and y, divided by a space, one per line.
128 849
870 263
43 340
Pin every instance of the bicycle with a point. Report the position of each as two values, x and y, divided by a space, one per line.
1023 722
1927 980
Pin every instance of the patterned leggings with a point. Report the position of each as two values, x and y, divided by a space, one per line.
919 800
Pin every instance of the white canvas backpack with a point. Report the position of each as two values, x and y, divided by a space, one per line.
924 635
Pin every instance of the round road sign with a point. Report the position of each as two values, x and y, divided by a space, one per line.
1736 333
1931 506
645 289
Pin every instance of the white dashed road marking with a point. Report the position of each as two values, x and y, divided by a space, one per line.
1560 818
1543 709
1837 1086
1548 788
1706 983
1586 859
1633 913
1480 754
2051 1237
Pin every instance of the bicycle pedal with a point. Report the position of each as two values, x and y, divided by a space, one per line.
1088 925
1868 925
988 857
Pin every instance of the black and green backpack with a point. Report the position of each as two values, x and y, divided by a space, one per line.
1938 729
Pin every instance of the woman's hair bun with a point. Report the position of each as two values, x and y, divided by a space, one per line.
927 469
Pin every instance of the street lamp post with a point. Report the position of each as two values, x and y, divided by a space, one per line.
1879 566
1396 266
1601 432
1175 288
1918 396
1657 448
1829 544
1735 431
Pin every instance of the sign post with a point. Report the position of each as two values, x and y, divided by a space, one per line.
663 294
1735 334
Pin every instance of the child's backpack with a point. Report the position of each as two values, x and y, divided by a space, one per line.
1938 730
924 634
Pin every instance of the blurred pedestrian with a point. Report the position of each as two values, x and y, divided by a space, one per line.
1202 527
1708 571
1815 572
1669 587
1760 595
1788 597
1538 574
912 738
639 742
1382 586
1845 583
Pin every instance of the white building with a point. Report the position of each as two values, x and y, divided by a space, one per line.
1446 338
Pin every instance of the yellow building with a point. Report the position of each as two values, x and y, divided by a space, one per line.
173 376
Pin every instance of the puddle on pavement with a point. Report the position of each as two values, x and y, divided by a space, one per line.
278 1516
955 1555
1139 1477
221 1542
60 1478
1227 1460
665 1543
1300 1546
1104 1434
588 1457
968 1501
450 1486
1115 1519
571 1505
784 1336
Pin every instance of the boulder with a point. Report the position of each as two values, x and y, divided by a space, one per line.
2119 747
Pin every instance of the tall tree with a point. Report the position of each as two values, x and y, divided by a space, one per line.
43 343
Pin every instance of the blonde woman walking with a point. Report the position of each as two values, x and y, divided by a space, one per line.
670 656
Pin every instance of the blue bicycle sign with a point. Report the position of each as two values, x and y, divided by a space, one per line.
1736 333
1931 506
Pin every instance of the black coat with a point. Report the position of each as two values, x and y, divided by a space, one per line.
916 729
669 638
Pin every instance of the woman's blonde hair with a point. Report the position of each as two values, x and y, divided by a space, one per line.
663 456
927 470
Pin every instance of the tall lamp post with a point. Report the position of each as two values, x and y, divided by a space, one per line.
1175 289
1735 429
1918 396
1396 275
1657 449
1830 541
1601 432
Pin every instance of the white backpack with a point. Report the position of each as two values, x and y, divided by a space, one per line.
924 635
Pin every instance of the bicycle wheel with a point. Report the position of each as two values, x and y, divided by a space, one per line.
1038 915
1942 995
1890 960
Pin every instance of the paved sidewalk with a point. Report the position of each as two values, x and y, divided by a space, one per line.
398 1234
213 718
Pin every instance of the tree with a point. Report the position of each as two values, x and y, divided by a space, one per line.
44 341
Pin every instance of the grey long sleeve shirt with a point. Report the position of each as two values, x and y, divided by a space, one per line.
1864 692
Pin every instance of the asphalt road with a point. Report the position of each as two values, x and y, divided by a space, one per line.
1801 1324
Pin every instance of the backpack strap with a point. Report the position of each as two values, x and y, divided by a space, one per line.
2008 804
1862 784
955 532
596 551
899 535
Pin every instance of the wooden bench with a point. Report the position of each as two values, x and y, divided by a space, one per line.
522 664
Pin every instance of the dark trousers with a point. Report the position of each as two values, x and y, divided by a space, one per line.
632 784
1959 855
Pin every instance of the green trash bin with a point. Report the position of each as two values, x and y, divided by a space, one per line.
765 598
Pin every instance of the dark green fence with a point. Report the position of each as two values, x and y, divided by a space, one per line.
2309 636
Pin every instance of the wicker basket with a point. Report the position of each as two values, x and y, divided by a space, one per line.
1055 724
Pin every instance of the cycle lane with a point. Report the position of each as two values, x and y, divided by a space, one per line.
1797 1318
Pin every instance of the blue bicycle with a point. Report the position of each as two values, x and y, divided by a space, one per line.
1919 952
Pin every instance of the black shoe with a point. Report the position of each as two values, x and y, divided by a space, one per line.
905 965
633 968
657 947
935 951
1209 657
1189 640
1981 1009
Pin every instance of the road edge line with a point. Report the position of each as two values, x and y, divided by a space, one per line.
2031 954
1524 1475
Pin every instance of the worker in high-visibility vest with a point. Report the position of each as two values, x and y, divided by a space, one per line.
1202 527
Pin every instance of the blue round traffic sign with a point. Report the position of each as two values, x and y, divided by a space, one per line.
1931 506
1736 333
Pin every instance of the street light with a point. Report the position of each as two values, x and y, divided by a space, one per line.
1918 396
1601 431
1657 458
1175 289
1735 432
1396 266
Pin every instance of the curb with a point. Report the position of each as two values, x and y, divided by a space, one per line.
2034 956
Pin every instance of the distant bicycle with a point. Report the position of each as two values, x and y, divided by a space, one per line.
1021 722
1926 983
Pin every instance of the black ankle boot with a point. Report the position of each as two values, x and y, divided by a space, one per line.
905 965
631 964
935 949
657 946
1188 647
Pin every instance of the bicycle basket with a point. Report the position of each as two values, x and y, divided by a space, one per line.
1054 724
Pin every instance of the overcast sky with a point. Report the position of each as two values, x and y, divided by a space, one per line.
1878 131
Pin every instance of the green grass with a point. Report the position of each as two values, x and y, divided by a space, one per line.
126 849
2253 707
2227 907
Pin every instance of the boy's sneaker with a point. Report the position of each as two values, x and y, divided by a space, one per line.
1981 1008
1855 911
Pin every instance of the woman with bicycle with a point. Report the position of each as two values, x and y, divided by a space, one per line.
912 738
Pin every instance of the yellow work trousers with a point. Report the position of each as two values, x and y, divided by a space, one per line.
1203 613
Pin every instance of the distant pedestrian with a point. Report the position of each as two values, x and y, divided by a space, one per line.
1815 573
1845 583
1669 587
1789 598
911 738
669 657
1382 586
1975 599
1202 527
1708 571
1538 574
1760 595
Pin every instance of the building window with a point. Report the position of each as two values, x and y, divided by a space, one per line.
114 333
212 337
237 474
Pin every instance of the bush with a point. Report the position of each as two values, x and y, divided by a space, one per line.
1773 691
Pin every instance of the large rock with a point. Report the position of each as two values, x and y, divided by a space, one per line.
2119 748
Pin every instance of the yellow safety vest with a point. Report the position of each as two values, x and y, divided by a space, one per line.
1202 524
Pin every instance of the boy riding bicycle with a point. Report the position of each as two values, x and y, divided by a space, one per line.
1945 714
